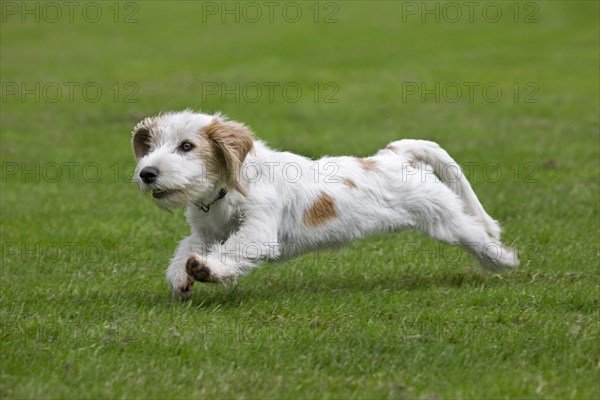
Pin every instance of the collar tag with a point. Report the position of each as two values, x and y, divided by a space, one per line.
206 207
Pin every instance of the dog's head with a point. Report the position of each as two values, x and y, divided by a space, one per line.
186 157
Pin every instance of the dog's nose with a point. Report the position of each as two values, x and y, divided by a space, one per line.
149 174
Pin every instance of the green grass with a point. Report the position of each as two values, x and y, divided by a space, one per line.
85 311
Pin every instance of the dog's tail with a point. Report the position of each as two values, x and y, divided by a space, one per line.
451 174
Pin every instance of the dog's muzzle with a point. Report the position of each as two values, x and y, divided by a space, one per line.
159 194
149 174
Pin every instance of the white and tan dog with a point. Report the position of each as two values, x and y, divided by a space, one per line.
247 203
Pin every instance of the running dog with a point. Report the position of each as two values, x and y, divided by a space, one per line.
247 203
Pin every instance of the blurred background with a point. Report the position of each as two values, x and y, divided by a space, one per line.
509 88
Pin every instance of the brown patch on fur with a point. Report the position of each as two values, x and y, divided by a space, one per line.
322 210
392 148
141 135
232 142
206 150
350 183
367 164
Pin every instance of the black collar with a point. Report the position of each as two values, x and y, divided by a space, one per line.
206 207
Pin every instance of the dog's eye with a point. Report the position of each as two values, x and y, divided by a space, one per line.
186 146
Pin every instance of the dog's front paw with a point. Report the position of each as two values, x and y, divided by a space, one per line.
200 271
181 284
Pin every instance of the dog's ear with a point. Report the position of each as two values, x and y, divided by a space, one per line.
232 143
140 138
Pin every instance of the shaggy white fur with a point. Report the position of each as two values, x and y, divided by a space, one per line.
247 203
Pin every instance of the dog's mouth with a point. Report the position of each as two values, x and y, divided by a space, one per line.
159 194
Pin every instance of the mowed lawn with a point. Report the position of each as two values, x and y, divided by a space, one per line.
85 310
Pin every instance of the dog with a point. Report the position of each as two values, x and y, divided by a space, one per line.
247 203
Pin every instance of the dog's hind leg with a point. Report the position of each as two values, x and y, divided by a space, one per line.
440 213
447 208
451 175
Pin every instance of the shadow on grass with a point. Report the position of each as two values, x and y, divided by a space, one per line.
332 287
283 286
